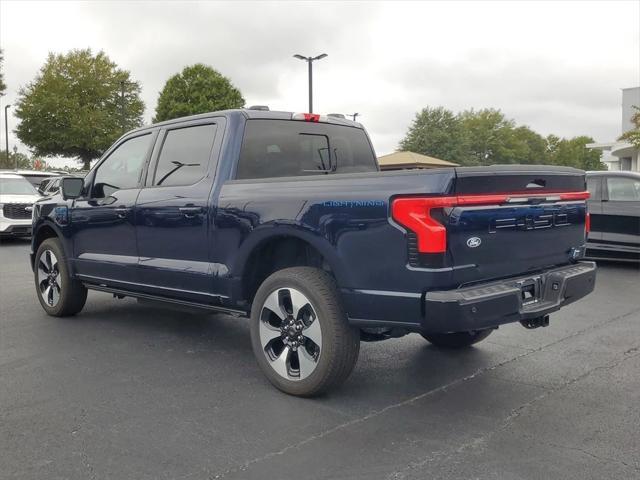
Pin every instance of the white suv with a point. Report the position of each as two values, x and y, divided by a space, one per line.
17 197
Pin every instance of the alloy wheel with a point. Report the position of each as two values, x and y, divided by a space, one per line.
290 333
49 278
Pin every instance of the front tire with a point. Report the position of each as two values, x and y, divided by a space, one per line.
59 294
300 334
457 339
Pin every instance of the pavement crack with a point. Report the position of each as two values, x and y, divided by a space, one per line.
591 454
442 388
86 461
480 441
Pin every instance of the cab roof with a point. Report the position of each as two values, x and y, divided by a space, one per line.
250 114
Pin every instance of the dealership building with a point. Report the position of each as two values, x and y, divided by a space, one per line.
618 155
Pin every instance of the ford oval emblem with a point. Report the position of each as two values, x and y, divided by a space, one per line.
474 242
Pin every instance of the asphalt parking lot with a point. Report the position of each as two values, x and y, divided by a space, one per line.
126 391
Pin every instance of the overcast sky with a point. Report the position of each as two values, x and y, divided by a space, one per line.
556 67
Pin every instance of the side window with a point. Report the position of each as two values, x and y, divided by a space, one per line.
121 169
52 186
623 189
184 157
592 186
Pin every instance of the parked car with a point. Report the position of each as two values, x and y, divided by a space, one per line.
17 196
49 186
35 177
285 218
614 208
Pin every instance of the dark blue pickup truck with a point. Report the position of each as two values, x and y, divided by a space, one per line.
286 218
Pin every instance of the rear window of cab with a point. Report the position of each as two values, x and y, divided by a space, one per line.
287 148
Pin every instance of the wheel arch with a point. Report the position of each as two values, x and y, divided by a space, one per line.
280 248
42 232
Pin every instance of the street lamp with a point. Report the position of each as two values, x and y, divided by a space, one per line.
355 115
6 135
310 61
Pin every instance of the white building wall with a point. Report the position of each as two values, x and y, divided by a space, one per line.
630 97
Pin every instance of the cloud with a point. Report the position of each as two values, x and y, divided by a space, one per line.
556 67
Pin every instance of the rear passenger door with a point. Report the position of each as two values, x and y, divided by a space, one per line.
621 210
173 212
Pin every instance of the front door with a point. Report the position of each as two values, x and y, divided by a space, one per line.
104 232
173 213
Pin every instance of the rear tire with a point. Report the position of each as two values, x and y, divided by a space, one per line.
59 294
300 334
457 339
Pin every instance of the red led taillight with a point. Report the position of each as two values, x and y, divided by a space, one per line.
414 213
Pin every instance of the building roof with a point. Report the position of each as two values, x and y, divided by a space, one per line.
412 160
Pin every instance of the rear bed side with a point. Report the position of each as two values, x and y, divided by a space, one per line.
345 217
382 277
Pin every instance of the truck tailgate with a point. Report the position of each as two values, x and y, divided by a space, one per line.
513 220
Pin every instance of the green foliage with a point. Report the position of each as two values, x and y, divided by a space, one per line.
197 89
75 107
573 153
3 86
633 136
487 137
436 132
22 160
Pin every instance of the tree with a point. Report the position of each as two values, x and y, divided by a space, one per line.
436 132
3 86
487 137
526 147
77 106
574 153
20 160
633 136
197 89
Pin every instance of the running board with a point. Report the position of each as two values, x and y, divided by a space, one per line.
146 296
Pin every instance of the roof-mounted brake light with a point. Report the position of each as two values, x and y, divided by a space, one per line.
309 117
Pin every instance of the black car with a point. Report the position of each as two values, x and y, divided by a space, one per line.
49 186
614 207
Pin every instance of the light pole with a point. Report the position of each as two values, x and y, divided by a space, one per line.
6 135
310 61
355 115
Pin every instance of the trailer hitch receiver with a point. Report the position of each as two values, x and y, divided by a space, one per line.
537 322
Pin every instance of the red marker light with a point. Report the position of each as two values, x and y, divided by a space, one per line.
587 223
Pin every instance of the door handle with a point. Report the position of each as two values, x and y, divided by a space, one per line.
121 212
190 212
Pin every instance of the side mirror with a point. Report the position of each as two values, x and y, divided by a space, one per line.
71 187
